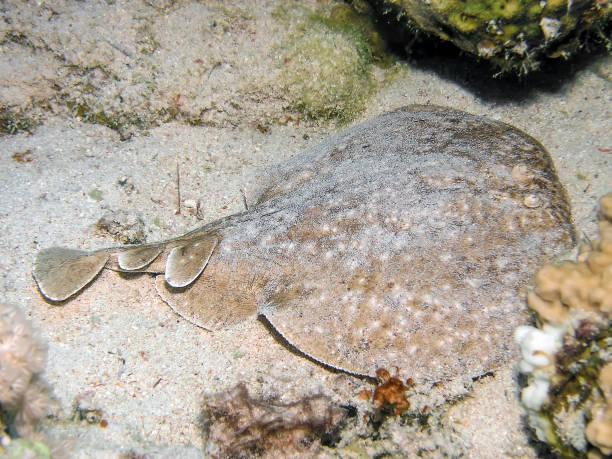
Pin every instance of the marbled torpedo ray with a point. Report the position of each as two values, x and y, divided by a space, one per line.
402 242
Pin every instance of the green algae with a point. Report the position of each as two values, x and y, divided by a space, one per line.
120 122
146 40
15 121
327 60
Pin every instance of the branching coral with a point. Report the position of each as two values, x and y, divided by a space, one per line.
569 358
23 396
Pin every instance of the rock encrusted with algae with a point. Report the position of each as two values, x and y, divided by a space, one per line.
569 357
401 242
336 51
515 35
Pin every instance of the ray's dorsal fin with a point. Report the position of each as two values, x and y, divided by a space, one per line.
60 273
185 263
139 257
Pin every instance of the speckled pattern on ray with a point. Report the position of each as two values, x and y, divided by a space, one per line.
401 242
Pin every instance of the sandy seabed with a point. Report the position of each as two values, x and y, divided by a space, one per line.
117 347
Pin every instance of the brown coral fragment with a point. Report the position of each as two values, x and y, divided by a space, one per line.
23 156
391 393
585 285
239 426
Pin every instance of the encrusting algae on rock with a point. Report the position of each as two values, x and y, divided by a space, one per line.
515 35
401 242
569 357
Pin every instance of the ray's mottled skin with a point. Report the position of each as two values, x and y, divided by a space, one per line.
402 242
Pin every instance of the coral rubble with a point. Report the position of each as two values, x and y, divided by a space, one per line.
238 425
124 227
568 359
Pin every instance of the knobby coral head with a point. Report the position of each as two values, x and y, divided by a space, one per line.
568 357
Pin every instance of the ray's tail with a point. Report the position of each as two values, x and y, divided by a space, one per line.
61 273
